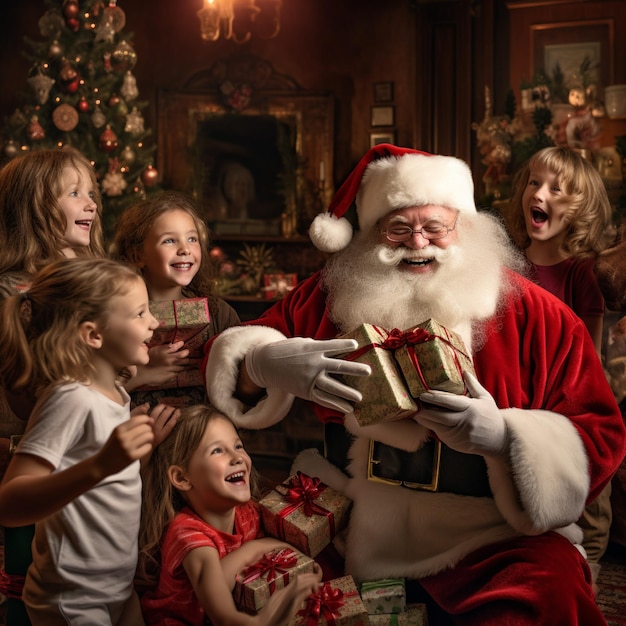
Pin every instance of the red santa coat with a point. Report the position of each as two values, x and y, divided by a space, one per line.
566 432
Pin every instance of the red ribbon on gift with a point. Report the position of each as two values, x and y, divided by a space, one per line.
325 603
11 585
302 492
271 565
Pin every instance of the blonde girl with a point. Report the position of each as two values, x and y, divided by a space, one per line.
200 527
50 208
559 216
75 472
167 240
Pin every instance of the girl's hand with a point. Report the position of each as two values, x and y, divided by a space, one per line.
285 603
165 418
129 442
165 363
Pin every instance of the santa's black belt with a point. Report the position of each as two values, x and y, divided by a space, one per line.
434 467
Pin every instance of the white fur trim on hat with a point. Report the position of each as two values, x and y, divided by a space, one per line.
413 180
329 233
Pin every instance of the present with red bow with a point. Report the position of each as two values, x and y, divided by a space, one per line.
432 357
413 615
405 363
304 512
185 320
337 603
385 395
276 569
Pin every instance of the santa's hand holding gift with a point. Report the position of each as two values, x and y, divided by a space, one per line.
489 534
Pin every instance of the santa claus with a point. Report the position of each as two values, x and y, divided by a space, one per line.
537 435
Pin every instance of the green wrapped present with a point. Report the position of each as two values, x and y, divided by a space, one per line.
304 512
385 395
432 357
337 603
185 320
387 595
276 569
414 615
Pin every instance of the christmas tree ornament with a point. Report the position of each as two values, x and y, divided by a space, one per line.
96 8
69 78
35 131
115 15
55 50
17 119
120 110
114 100
150 176
11 149
70 9
113 183
98 118
41 85
65 117
139 189
105 30
129 87
123 57
108 140
82 106
128 155
51 24
107 61
134 123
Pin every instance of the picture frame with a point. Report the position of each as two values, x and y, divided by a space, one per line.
383 92
382 116
568 43
383 137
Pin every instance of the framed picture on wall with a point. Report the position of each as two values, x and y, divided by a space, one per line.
567 45
383 92
383 116
386 137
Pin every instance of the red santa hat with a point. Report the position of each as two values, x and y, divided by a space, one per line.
388 178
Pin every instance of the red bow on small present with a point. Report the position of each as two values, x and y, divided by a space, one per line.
325 603
397 338
273 564
303 490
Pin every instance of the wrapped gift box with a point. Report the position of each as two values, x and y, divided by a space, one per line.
414 615
185 320
387 595
385 395
278 285
433 357
255 584
337 603
304 512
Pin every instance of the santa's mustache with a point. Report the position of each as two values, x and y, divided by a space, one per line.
394 256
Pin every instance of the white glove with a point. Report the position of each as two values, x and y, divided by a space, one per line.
302 367
473 425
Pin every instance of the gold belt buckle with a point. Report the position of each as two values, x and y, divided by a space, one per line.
432 486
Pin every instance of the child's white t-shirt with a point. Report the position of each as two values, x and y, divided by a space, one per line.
87 551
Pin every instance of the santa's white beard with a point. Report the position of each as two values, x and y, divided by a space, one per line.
367 283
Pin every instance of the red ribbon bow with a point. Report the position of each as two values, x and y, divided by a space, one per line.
274 564
325 603
302 492
397 338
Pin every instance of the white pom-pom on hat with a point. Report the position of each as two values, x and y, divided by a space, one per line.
330 233
389 178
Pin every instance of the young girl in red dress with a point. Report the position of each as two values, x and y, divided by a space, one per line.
200 528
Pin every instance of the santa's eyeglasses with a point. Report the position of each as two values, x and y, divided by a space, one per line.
402 234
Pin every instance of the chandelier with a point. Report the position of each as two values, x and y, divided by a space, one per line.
239 19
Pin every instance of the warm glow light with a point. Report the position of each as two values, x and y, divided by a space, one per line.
239 19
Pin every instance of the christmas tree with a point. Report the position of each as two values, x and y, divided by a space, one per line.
81 91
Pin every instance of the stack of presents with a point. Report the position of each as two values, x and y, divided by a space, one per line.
308 514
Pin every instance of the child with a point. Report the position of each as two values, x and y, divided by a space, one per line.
199 527
167 240
50 208
559 215
75 473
